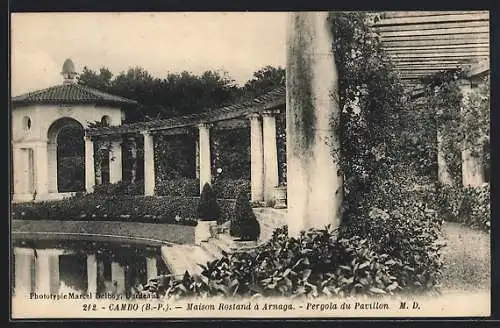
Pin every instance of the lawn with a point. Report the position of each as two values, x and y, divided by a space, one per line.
134 232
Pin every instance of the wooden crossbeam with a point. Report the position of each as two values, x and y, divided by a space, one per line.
483 51
442 31
465 55
422 13
430 19
436 42
465 38
483 46
432 26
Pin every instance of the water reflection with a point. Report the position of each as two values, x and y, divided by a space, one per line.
103 269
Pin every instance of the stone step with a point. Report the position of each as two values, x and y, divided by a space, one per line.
182 258
212 249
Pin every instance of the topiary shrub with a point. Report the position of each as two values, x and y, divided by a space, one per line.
208 208
244 224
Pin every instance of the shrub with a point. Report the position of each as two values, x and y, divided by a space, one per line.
208 208
469 206
179 187
120 188
175 210
318 263
229 188
244 224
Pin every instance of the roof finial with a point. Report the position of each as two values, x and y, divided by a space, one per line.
68 71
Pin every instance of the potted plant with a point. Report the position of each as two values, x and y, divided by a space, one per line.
244 224
208 213
280 196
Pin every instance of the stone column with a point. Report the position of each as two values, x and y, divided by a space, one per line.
133 155
52 166
315 181
149 164
472 166
257 158
89 165
41 170
204 149
118 277
444 175
22 271
115 161
92 274
271 177
47 270
151 267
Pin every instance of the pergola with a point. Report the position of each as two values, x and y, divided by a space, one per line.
418 43
422 43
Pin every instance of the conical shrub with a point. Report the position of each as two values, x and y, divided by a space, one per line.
244 224
208 208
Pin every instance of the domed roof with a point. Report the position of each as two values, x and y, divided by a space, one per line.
68 66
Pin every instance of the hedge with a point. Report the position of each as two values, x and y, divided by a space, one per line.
469 206
126 208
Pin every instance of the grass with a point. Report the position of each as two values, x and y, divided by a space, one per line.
178 234
466 257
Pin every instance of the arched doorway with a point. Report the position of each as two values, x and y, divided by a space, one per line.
66 156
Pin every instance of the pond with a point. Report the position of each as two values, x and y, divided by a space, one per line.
47 268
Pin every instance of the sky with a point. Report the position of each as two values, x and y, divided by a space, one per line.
239 43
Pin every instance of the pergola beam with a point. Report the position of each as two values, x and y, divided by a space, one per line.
433 26
434 19
441 31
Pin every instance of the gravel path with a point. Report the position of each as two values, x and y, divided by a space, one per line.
466 257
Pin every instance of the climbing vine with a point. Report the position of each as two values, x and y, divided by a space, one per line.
462 119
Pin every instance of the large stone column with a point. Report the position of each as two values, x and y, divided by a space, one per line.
115 161
52 166
41 170
472 166
92 274
89 165
151 267
205 163
271 177
118 277
315 182
47 270
149 164
24 260
257 158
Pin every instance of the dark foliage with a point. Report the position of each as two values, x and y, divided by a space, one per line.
318 263
244 224
126 208
229 188
177 187
470 206
208 207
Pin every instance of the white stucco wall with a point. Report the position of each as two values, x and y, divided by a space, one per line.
42 116
36 139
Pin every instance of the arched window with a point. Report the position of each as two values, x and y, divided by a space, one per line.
106 120
26 123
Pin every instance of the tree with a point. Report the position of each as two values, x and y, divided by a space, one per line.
100 81
264 80
244 224
208 208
